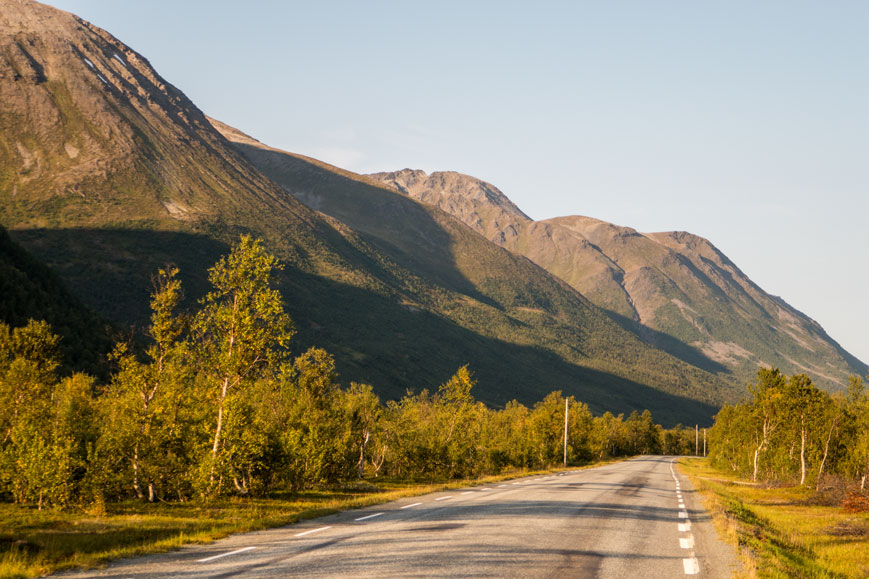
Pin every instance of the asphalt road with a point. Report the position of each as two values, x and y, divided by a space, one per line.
631 519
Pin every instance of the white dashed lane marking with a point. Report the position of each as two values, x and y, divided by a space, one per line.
369 517
207 559
312 531
690 564
687 543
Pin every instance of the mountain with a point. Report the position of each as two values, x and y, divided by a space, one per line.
506 297
675 290
109 173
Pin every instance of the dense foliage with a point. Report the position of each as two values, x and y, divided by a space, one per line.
790 431
215 405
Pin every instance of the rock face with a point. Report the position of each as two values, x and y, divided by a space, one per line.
477 203
88 127
674 289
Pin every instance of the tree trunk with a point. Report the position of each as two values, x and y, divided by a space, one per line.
802 455
215 448
241 487
152 495
136 485
826 450
361 466
759 448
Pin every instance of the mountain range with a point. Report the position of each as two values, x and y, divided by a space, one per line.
674 289
108 172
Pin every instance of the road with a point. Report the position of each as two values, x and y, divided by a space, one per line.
636 518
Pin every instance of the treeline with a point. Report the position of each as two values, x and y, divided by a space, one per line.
792 432
214 405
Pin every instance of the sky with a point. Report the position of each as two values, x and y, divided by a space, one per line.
745 122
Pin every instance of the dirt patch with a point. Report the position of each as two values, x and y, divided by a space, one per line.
848 529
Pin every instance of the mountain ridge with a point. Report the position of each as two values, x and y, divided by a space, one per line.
676 290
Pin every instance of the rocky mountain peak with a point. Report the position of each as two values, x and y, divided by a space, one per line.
479 204
676 289
82 113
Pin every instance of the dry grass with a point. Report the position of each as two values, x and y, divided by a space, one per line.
782 532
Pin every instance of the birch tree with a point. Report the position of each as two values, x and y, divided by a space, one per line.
241 331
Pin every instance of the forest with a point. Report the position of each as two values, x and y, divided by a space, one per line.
210 403
791 432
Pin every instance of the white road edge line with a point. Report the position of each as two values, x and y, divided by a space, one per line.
687 542
692 566
312 531
411 505
207 559
685 527
368 517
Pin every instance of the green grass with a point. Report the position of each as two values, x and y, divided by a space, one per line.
779 531
49 541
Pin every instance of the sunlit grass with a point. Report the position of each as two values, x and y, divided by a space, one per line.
779 532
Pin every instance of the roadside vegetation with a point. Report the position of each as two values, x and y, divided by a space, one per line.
208 426
786 478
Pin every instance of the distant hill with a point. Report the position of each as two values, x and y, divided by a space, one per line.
673 289
109 172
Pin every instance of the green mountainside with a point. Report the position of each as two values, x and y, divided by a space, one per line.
674 289
109 173
504 296
31 291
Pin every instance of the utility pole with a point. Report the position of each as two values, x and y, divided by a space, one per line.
704 442
696 440
566 402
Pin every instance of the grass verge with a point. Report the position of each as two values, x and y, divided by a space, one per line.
35 543
780 533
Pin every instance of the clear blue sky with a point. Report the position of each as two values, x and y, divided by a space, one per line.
746 122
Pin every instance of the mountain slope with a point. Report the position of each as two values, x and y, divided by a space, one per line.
31 291
674 289
109 172
515 300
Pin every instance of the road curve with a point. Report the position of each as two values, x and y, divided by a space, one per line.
636 518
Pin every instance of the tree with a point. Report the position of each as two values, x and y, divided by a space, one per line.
856 423
45 425
643 435
145 402
803 406
362 410
767 410
608 436
241 331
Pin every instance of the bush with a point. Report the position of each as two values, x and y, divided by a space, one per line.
856 502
